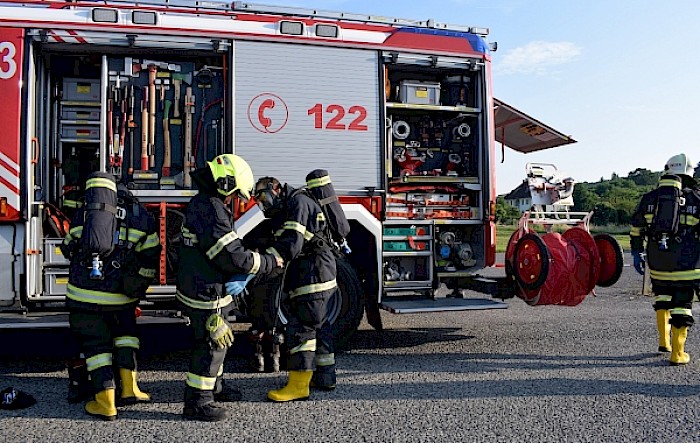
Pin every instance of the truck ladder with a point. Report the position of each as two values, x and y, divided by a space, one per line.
315 13
282 10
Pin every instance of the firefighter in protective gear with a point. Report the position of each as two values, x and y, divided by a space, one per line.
210 255
666 220
102 311
309 283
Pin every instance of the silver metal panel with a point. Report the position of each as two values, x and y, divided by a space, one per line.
11 239
441 304
284 82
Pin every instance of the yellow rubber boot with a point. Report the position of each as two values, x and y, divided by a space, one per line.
664 327
678 354
103 405
297 387
131 394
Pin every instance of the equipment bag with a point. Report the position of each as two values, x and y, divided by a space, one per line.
318 182
56 223
100 230
668 202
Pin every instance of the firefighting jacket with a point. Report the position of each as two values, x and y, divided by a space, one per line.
301 243
676 260
212 253
128 269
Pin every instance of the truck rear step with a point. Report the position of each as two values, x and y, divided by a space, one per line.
414 306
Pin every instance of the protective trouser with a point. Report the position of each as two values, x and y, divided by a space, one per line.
108 339
206 361
309 332
681 306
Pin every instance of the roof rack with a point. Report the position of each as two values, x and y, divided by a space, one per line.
180 4
301 12
315 13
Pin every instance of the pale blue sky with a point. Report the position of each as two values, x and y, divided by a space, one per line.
620 76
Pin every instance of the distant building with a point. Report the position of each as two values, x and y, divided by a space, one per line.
520 197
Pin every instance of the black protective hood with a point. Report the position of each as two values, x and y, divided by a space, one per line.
204 181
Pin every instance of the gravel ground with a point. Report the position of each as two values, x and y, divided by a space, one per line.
538 374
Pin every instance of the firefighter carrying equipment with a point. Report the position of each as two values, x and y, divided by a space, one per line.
309 280
210 255
231 173
103 406
674 259
678 354
219 331
297 387
129 258
664 327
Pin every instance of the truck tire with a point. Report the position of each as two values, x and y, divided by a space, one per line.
346 308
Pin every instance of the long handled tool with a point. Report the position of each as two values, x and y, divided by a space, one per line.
119 160
166 140
176 109
188 161
144 131
152 116
131 125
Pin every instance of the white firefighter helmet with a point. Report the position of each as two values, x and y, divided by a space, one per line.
679 165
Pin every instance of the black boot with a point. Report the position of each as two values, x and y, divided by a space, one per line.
274 355
225 394
79 386
257 361
324 378
208 412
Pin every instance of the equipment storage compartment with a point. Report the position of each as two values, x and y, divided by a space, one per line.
419 93
55 281
80 114
80 132
52 252
82 90
408 254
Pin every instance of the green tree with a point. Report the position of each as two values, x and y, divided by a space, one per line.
644 177
505 213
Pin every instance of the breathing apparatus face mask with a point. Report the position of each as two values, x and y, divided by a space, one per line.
268 195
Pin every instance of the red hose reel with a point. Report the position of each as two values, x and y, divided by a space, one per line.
560 268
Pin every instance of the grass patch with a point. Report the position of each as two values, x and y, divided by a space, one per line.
620 233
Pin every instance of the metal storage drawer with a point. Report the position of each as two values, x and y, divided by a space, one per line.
76 89
55 281
52 253
80 132
79 113
419 93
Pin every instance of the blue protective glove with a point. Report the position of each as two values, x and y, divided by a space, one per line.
237 283
639 263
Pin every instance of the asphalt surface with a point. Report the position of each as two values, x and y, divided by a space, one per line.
523 374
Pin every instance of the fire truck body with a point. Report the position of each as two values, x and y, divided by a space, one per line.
400 112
